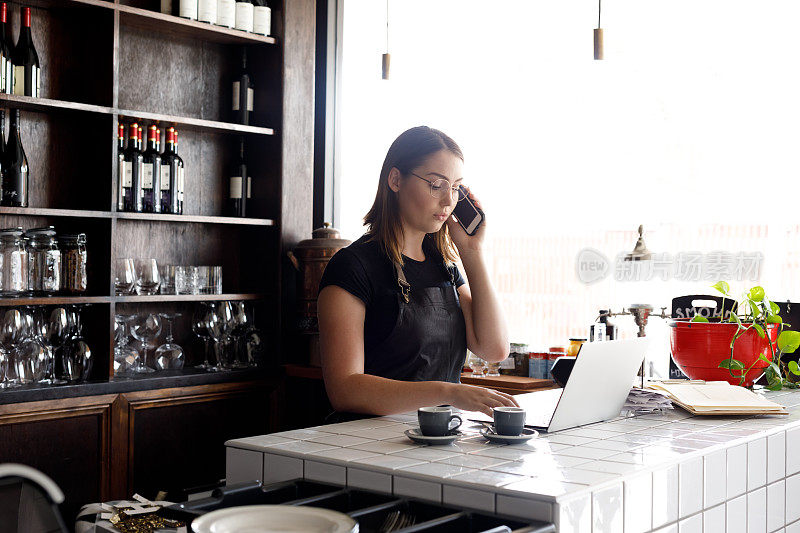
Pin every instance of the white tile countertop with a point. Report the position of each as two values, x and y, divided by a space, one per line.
671 472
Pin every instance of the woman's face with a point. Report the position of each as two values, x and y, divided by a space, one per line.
421 211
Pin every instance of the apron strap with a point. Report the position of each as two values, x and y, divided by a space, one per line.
405 287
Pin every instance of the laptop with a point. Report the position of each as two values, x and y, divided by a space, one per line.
597 388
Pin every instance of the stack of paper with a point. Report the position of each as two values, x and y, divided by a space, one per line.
716 398
643 401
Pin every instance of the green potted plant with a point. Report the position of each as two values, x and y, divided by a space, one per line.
740 347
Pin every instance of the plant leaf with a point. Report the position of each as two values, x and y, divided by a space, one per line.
732 364
756 293
734 318
754 309
774 308
774 319
775 386
788 341
699 318
794 368
759 330
722 286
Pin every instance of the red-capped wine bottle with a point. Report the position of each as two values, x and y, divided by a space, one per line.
2 150
6 46
15 175
124 189
237 185
181 177
151 174
242 104
171 174
26 60
133 163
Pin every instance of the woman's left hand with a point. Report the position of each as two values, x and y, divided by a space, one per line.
467 243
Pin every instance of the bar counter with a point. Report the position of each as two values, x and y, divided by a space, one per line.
662 472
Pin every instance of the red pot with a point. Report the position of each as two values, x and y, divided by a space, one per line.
699 347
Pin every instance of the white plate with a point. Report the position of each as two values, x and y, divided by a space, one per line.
274 519
417 436
527 434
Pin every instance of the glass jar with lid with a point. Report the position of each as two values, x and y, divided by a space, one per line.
13 263
44 261
73 263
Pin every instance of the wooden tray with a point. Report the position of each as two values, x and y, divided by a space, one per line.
518 383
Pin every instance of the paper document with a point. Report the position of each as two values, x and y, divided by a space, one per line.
716 397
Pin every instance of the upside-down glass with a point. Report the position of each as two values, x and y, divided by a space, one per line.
253 343
77 354
240 327
203 317
169 356
223 335
124 276
126 357
49 327
146 327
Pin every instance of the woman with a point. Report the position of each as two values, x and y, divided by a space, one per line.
395 315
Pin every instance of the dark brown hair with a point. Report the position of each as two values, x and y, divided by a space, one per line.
406 153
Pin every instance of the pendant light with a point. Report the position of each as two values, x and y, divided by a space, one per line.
598 35
386 58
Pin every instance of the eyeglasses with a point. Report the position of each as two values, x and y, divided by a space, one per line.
440 186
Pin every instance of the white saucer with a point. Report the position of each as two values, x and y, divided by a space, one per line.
527 434
417 436
274 518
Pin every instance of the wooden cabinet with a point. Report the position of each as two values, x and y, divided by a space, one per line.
111 446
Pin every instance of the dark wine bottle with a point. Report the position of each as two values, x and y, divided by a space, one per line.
237 189
242 104
26 60
181 176
6 47
171 172
133 170
3 149
15 177
151 174
124 190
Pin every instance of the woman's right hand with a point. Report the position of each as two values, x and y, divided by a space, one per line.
474 398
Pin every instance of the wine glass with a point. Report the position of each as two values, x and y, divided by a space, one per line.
124 276
201 318
169 356
126 357
30 354
58 331
224 335
146 327
148 278
240 327
253 343
77 354
5 362
49 327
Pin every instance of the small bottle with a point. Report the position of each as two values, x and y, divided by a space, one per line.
15 173
262 18
244 15
226 13
26 60
152 173
207 11
188 9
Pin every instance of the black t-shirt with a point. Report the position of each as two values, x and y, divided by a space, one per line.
364 270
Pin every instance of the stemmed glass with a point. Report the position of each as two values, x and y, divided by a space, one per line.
31 355
146 328
5 363
77 354
220 331
240 328
49 329
126 357
11 331
253 342
169 356
203 318
124 276
58 331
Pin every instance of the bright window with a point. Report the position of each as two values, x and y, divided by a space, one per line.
689 127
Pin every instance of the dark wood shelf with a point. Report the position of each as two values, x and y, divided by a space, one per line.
47 212
48 104
189 298
152 20
54 300
200 219
195 123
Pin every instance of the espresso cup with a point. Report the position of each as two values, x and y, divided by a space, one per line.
509 421
437 421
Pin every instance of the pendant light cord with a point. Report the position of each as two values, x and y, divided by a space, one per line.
387 26
599 6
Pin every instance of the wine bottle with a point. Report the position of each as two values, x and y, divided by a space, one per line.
26 60
181 176
226 13
188 9
133 170
124 190
3 149
244 15
171 174
6 66
242 104
207 11
151 174
140 138
262 18
237 190
15 177
166 7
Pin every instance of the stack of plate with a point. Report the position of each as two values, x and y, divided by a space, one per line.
274 519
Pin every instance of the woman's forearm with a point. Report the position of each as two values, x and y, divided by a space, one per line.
364 393
489 324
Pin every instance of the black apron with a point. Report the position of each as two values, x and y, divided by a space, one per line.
429 339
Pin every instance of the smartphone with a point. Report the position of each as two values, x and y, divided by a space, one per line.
469 216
